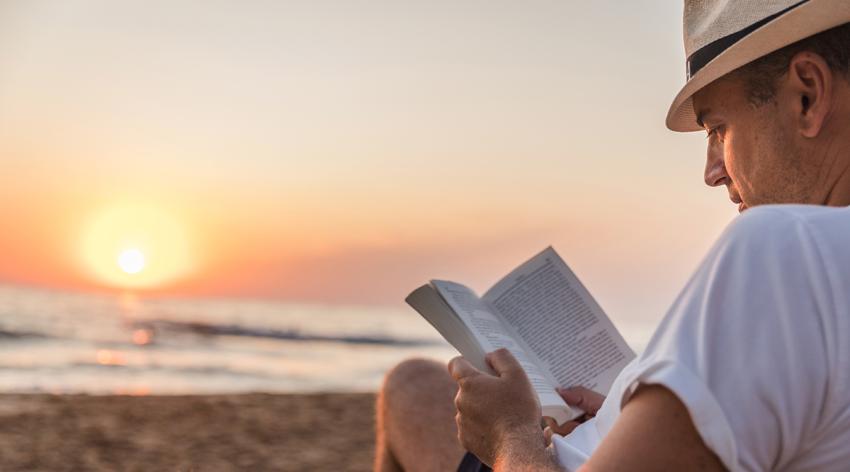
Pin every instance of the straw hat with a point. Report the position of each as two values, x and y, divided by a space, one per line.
723 35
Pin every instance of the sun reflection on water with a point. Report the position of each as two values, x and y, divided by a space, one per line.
110 357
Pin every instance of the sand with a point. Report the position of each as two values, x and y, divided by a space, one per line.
187 433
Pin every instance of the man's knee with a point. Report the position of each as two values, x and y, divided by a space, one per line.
416 381
416 416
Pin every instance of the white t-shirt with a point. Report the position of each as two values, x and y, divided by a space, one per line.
757 346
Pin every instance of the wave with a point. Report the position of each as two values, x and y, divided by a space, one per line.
208 329
6 334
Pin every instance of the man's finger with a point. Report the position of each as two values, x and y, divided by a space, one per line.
461 368
547 435
503 362
566 428
583 398
563 429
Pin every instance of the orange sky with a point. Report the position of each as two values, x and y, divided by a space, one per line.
345 151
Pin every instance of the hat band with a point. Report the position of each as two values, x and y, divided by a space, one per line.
707 53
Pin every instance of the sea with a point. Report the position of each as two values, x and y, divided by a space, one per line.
67 342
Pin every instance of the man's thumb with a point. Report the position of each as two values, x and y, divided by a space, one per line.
460 368
503 362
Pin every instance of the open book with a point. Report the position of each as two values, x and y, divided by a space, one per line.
544 316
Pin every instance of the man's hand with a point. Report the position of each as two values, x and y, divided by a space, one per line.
587 400
496 415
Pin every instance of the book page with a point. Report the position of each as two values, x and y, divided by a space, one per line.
491 334
431 305
560 323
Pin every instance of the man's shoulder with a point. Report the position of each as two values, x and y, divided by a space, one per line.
806 239
789 222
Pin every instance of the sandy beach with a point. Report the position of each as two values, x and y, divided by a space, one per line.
187 433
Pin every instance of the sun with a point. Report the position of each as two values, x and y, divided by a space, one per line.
131 261
136 246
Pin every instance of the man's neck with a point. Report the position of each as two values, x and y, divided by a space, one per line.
839 190
837 145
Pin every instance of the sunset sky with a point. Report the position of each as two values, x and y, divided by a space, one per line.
346 151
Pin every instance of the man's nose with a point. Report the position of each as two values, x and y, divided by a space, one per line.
715 168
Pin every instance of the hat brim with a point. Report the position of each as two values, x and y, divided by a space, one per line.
808 19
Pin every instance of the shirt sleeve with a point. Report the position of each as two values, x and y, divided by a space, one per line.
743 346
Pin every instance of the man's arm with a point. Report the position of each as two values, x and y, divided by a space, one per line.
498 421
653 432
522 455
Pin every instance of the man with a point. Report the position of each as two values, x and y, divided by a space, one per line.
750 369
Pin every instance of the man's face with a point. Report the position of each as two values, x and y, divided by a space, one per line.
753 150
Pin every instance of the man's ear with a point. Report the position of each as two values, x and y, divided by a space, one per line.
811 86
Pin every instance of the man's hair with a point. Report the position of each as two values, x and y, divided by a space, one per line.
760 76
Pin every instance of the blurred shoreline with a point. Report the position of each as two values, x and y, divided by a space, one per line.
276 432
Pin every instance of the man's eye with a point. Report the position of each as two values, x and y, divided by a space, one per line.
713 132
